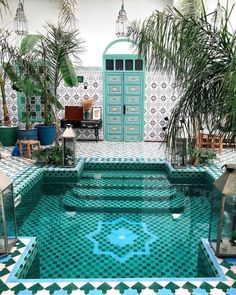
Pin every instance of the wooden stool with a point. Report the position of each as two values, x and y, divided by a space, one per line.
29 146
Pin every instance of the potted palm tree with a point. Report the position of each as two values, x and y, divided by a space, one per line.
19 74
8 133
53 50
201 55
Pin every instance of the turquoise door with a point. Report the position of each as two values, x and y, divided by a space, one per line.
133 107
123 98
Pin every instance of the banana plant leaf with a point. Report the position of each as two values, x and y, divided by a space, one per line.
28 43
68 73
54 101
10 71
23 84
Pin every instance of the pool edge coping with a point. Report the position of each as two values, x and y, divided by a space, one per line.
12 278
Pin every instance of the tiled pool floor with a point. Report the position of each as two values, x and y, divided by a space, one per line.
22 169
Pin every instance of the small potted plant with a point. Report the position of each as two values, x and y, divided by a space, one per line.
87 108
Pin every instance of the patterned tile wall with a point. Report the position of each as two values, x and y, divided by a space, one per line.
160 97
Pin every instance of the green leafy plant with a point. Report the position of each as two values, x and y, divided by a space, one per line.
201 156
49 156
52 156
233 237
22 82
53 50
6 57
202 58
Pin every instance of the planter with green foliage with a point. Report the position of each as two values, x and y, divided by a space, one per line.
52 49
24 84
201 156
49 156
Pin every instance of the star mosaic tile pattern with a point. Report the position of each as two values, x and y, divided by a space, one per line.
124 233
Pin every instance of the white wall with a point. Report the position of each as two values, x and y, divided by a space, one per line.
96 19
211 5
97 22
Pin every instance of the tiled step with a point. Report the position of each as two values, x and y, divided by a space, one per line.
123 183
123 174
174 205
123 193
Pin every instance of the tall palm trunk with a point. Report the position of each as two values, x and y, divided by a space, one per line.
27 113
6 118
57 121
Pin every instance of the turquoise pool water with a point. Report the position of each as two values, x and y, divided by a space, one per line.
117 224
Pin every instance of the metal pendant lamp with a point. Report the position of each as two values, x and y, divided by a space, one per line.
217 16
122 22
20 21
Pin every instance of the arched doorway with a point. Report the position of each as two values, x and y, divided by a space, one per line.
123 95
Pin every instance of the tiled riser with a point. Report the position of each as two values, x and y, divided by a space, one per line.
123 166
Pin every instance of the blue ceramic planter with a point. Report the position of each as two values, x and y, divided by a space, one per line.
27 134
46 134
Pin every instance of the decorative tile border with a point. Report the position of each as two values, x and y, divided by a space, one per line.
19 256
26 258
32 174
23 264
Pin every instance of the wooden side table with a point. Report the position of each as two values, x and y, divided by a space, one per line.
84 124
29 146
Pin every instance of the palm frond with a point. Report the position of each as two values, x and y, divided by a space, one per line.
203 61
67 16
5 5
61 45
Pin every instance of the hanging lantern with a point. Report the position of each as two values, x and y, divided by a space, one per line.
20 21
217 16
68 147
122 22
8 232
222 233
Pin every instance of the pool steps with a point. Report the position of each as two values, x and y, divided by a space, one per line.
124 191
